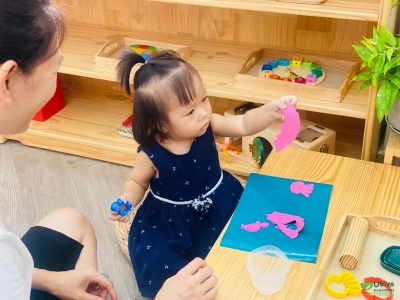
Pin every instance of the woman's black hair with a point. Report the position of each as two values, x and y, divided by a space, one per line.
31 31
156 85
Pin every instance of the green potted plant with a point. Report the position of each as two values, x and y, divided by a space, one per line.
381 54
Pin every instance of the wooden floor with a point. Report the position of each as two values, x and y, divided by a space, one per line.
34 182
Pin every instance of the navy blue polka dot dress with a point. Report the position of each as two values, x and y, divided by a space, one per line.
184 213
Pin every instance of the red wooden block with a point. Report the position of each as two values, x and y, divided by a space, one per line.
52 107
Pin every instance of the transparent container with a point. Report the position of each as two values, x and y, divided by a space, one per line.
268 267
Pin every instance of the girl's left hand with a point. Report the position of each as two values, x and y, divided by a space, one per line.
279 104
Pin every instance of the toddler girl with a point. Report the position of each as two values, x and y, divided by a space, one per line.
190 198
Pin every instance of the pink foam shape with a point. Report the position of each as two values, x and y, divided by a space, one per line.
289 129
281 219
298 187
253 227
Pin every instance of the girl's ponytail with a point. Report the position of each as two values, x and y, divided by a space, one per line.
124 68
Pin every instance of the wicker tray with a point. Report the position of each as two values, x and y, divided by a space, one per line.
333 88
108 55
377 240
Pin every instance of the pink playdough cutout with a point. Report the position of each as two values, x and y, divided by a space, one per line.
253 227
280 220
289 129
298 187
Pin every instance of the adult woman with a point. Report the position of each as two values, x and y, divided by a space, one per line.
30 34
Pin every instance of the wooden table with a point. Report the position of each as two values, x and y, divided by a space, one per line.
358 187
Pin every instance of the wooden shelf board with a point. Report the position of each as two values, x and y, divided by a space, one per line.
352 9
217 63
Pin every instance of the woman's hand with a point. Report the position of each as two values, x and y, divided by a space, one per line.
275 106
81 284
114 216
194 282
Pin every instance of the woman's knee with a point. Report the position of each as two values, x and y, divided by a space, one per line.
69 221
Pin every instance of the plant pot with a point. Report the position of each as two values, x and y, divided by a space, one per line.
393 118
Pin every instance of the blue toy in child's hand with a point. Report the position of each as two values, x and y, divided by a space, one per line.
121 207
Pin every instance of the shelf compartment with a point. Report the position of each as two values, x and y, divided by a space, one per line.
86 127
337 73
217 63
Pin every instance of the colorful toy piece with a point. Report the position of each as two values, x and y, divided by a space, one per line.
266 67
352 286
317 73
307 64
146 51
265 74
282 62
369 283
226 147
315 67
300 80
273 63
254 227
298 187
281 220
121 207
297 61
311 78
289 129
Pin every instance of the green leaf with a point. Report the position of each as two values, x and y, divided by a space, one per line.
366 83
389 54
387 36
394 90
368 44
369 60
395 80
375 35
380 62
391 64
362 52
398 71
380 46
363 76
363 65
367 285
383 99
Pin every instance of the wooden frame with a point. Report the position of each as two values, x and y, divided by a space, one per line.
325 91
332 248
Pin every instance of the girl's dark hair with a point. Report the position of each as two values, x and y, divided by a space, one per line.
31 31
156 85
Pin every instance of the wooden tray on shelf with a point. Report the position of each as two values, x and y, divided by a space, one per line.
108 55
377 240
334 87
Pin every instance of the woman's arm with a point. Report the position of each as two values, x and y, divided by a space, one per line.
253 121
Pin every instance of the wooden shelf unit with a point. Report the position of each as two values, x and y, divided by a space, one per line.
341 9
217 63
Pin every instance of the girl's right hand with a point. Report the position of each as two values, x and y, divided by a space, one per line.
114 216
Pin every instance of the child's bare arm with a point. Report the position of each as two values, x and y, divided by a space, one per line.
253 121
137 183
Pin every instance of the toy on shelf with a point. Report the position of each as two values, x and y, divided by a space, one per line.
125 128
121 207
298 71
350 282
332 80
228 147
145 51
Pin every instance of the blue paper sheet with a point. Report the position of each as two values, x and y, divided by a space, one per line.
266 194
